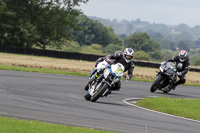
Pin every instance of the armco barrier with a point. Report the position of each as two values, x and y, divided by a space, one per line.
157 65
71 55
50 53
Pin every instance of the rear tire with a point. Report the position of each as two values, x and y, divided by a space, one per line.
155 84
99 93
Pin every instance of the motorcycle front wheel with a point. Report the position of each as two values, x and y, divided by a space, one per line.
154 86
99 93
89 82
87 96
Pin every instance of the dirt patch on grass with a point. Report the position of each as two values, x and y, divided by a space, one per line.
48 63
78 66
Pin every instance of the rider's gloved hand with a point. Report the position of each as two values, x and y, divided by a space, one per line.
96 64
179 73
127 77
108 60
163 62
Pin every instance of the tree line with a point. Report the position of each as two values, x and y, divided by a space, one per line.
60 25
29 23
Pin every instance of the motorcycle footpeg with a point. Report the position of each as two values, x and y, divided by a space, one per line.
106 93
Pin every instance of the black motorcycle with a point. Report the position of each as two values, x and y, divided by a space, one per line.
166 78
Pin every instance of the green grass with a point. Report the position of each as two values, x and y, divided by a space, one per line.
188 108
29 69
11 125
52 71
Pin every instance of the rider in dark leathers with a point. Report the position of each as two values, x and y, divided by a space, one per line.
182 65
124 58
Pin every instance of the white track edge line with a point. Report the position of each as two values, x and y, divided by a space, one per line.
125 101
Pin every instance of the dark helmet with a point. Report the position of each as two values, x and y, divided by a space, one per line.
183 55
118 53
128 54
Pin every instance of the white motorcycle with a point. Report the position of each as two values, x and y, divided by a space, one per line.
103 80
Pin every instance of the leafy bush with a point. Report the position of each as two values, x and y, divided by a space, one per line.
157 55
111 48
195 60
141 55
71 46
95 49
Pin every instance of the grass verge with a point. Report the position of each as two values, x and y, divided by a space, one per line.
53 71
11 125
188 108
40 70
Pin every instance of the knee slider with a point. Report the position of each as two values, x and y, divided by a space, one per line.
183 80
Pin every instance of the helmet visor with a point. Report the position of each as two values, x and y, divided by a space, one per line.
129 57
182 57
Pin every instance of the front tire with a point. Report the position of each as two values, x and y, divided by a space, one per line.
89 82
86 87
87 97
99 93
154 86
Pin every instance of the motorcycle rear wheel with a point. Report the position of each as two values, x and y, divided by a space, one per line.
155 84
99 93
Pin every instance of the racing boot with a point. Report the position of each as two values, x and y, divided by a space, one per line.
174 86
106 93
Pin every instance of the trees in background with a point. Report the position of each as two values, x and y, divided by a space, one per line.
59 25
142 42
95 49
24 23
195 60
94 32
111 48
141 55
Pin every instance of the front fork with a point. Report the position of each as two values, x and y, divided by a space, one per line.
92 73
97 79
161 81
172 83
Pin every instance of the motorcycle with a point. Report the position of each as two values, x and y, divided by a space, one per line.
96 72
103 80
166 78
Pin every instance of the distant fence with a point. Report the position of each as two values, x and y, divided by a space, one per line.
50 53
71 55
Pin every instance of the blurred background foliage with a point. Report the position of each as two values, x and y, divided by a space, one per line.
60 25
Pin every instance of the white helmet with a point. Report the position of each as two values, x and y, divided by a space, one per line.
128 54
183 55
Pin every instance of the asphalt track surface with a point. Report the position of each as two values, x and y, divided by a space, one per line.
60 99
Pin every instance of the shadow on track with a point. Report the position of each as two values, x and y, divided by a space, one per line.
108 103
116 93
173 94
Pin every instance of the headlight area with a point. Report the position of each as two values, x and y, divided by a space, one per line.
115 80
161 69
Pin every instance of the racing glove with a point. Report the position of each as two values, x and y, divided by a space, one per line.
179 73
108 60
127 77
163 62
